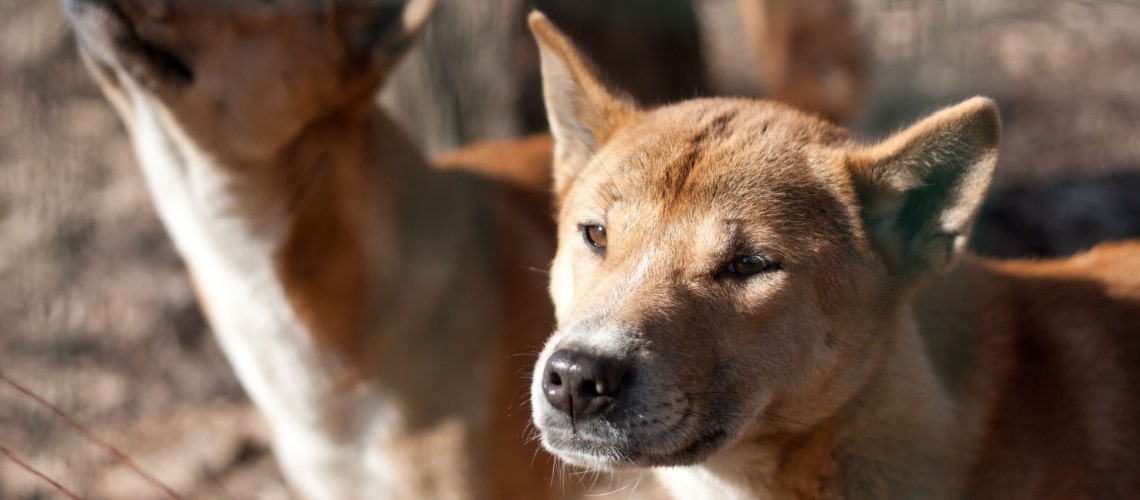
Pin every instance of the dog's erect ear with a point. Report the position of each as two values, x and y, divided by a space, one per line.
382 30
582 111
920 189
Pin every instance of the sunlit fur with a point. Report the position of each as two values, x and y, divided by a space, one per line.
876 360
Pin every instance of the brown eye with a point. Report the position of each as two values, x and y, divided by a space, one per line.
746 266
595 236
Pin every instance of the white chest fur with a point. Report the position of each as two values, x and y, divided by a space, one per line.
322 433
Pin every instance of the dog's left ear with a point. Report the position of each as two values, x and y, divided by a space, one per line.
582 110
920 189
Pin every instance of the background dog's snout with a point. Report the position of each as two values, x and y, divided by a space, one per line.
581 384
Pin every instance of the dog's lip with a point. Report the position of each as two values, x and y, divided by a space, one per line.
596 449
590 451
690 445
587 451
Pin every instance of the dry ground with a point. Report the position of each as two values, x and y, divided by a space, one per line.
96 315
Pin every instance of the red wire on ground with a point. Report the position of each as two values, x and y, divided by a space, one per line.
12 456
115 453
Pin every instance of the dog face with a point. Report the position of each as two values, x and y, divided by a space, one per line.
724 266
710 293
242 78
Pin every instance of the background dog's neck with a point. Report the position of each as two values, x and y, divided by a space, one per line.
321 271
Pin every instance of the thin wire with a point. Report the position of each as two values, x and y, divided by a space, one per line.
115 453
12 456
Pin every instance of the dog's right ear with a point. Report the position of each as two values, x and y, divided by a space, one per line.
582 111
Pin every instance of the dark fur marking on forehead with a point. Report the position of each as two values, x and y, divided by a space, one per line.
677 175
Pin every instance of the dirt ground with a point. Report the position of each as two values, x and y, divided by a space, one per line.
97 317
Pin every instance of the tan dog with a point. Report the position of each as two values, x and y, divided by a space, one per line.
369 305
759 307
810 54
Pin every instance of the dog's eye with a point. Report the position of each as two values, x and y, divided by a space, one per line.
595 236
745 266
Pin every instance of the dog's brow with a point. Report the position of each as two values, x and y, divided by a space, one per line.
678 174
733 226
745 236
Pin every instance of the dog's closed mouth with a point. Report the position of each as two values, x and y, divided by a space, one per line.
587 451
696 450
581 449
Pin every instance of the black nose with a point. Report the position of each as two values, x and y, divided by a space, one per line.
581 384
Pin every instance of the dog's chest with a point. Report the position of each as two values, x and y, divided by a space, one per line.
232 258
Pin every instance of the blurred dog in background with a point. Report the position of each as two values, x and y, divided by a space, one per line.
369 304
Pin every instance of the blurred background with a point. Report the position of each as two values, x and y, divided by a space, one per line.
97 317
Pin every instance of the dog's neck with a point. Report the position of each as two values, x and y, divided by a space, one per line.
308 260
232 221
902 411
799 465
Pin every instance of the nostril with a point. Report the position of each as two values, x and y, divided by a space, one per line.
552 384
608 377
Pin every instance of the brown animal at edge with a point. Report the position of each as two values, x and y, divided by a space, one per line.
811 54
754 305
371 306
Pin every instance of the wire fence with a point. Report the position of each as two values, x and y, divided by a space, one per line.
115 453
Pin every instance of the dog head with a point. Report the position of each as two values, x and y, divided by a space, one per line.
729 267
243 78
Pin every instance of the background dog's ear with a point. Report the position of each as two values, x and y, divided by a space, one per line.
582 111
920 190
381 31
